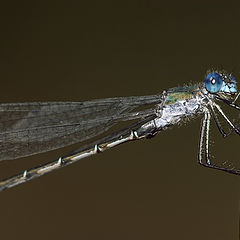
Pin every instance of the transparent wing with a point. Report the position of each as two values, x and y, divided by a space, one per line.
31 128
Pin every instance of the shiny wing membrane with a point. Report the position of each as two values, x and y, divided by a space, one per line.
31 128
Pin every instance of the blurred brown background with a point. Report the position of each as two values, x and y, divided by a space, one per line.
150 189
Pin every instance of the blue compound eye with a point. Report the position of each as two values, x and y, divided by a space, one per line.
213 82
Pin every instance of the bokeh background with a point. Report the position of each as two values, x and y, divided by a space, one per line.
150 189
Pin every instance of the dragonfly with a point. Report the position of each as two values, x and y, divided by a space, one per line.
36 127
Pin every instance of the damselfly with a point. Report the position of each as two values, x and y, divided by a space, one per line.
31 128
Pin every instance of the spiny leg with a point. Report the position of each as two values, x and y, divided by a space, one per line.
204 140
219 126
207 138
230 103
205 127
227 119
236 98
202 136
